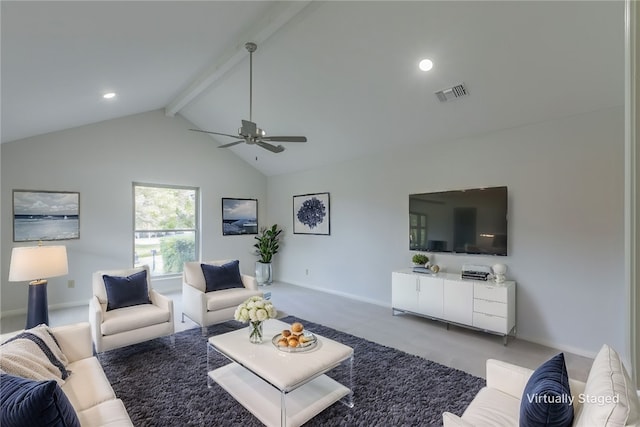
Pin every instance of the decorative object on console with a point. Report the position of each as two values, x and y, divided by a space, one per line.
435 268
266 248
499 271
45 215
475 272
420 260
35 264
311 214
239 216
255 310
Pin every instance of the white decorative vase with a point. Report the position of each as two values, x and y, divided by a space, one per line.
264 273
499 271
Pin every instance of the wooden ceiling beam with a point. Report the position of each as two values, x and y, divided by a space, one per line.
269 24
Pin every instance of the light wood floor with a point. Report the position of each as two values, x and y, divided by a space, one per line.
457 347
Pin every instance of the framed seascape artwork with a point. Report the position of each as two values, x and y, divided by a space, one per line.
239 216
311 214
45 215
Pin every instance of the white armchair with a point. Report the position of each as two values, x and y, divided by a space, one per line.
124 326
209 308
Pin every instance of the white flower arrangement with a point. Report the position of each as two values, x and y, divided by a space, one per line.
255 309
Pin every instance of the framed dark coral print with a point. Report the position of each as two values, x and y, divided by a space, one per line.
311 214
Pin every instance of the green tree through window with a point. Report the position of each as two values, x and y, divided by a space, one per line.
417 231
165 228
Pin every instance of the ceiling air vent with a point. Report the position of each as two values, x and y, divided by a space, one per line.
452 93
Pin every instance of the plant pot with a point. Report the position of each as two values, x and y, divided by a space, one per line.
264 273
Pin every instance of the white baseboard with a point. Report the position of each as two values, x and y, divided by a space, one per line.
60 306
342 294
71 304
12 313
558 346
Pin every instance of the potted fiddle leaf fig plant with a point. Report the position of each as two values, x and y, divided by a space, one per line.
266 247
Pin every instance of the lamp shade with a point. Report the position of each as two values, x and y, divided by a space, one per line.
37 262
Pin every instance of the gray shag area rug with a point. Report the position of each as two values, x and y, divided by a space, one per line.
165 385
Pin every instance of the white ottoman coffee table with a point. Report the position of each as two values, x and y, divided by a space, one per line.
281 388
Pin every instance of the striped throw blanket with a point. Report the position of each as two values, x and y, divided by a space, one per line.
34 354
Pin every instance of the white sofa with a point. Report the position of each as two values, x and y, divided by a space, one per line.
209 308
498 404
128 325
87 387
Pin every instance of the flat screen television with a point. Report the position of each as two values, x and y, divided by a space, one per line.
465 221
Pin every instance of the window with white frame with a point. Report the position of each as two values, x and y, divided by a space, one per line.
417 231
165 231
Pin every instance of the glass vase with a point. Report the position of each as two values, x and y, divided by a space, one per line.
264 273
255 332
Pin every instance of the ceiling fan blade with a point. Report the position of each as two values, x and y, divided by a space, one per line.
272 148
214 133
285 138
231 144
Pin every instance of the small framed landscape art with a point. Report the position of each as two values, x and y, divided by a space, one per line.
45 215
239 216
311 214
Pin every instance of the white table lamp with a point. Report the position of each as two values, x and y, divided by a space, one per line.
34 264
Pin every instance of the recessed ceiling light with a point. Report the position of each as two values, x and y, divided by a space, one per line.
425 65
109 95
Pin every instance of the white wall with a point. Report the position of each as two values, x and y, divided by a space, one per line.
101 161
565 180
566 241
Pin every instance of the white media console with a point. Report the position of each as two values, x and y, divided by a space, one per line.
483 305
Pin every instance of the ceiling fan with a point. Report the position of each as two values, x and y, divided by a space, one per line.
250 132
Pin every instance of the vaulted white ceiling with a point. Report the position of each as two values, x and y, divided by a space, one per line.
342 73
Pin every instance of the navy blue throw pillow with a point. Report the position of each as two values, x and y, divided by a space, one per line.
25 402
126 291
219 277
547 400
